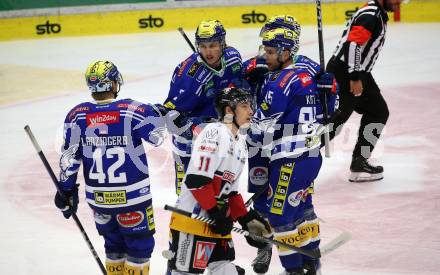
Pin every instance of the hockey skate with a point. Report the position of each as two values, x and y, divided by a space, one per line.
362 171
312 267
261 263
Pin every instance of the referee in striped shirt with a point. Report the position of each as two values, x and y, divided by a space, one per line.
352 62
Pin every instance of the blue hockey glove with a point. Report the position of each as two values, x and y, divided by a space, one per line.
255 70
326 83
327 86
69 204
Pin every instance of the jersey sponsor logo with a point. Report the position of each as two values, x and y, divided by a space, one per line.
211 133
305 233
209 85
183 256
269 192
208 149
101 118
102 218
281 189
150 218
228 176
202 254
305 78
285 79
264 106
201 74
170 105
110 197
258 175
130 219
295 198
180 175
236 68
114 268
144 191
193 69
275 76
183 66
77 110
133 107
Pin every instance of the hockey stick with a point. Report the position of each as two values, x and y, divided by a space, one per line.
182 32
322 65
340 240
55 181
313 253
256 195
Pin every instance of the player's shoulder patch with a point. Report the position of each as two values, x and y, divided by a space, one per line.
78 109
274 76
185 64
193 69
305 79
232 52
285 78
131 105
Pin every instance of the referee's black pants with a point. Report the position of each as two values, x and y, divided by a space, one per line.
370 104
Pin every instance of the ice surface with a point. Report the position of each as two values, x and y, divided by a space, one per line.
394 222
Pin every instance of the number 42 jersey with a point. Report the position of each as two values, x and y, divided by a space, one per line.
107 139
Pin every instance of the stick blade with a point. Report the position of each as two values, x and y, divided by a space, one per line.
342 239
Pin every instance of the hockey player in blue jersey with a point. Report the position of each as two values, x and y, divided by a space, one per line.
193 87
255 71
106 136
287 115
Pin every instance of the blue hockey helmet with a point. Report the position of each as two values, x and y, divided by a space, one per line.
282 39
282 21
100 76
209 31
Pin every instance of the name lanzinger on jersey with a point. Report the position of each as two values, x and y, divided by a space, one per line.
105 141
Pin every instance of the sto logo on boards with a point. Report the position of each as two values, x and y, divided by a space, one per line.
151 22
48 28
253 17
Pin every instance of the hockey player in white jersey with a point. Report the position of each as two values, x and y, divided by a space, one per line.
211 189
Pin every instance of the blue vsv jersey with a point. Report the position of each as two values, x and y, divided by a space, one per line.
299 61
107 138
288 110
194 86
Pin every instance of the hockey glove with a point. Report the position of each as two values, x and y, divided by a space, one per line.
257 225
222 223
255 70
326 83
69 203
327 86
